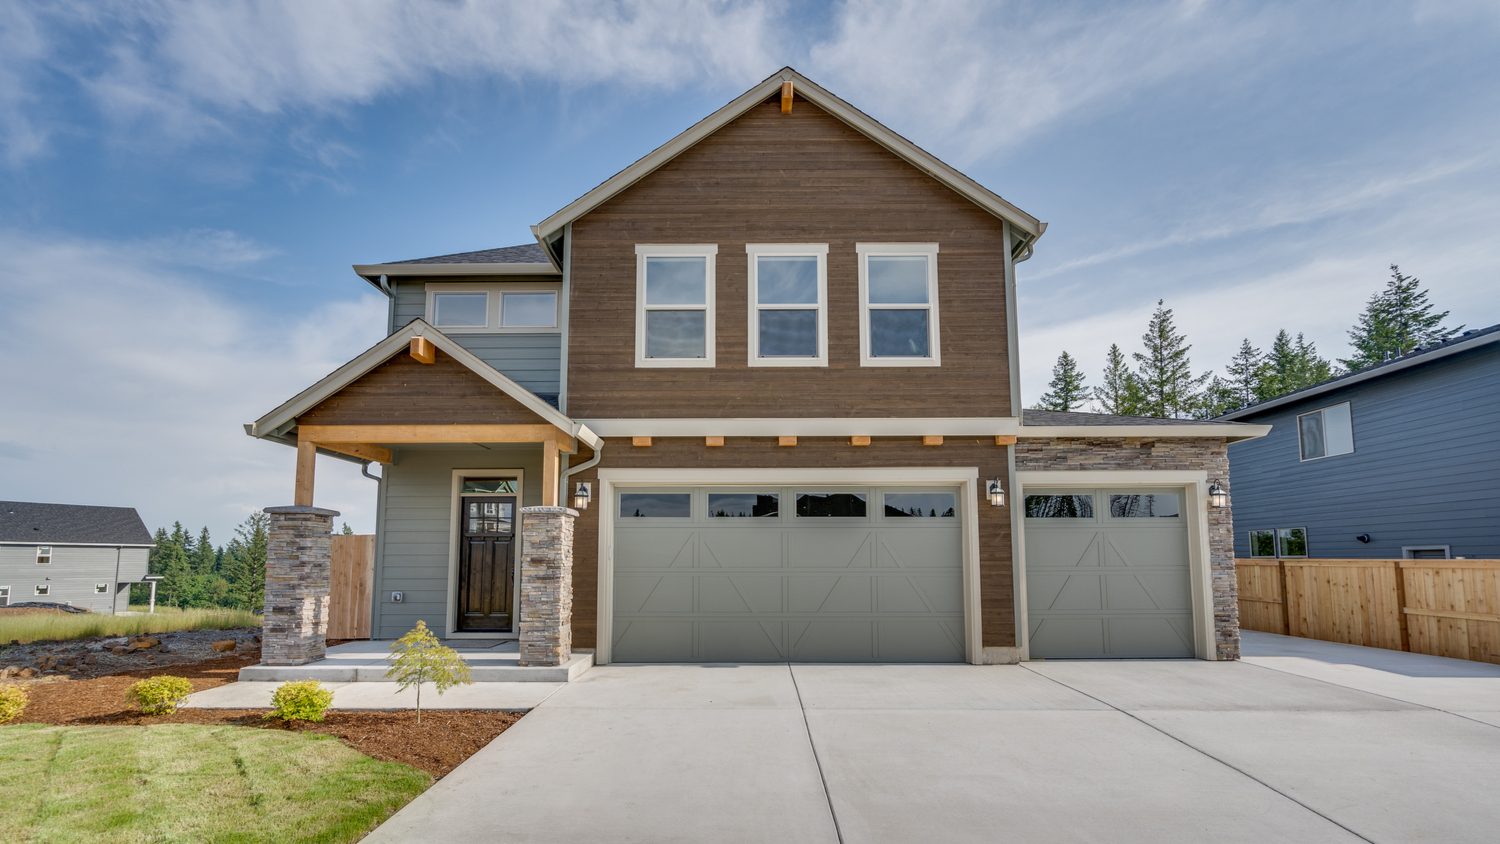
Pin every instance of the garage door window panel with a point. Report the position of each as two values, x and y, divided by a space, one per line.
1060 506
836 505
1152 505
919 505
743 505
656 505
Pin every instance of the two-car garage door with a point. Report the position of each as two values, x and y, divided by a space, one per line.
787 574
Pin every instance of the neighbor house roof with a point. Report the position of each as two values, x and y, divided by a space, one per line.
1416 357
29 523
1051 423
1028 228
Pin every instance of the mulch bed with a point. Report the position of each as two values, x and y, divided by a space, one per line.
443 739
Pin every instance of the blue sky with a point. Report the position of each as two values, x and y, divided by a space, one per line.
184 186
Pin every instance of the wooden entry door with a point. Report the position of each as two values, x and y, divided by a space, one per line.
486 564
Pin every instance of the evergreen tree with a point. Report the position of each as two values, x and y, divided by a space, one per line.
1245 370
1219 397
1120 394
1067 390
1165 371
244 563
1395 321
172 561
204 558
1290 366
348 531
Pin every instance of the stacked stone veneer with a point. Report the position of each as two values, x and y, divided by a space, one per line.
546 627
1100 453
298 571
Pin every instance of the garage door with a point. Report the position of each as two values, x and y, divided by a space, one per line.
788 574
1107 573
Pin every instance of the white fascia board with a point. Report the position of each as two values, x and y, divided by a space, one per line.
380 352
29 544
1361 377
1231 433
807 427
455 269
813 93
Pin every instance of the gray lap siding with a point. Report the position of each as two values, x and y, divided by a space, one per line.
73 574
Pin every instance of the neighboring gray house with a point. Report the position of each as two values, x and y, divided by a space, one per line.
71 554
1398 460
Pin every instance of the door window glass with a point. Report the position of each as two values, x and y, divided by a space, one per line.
920 505
831 504
1150 505
1059 506
656 505
489 486
491 516
739 505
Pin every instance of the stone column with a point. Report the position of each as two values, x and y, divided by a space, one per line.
546 585
298 573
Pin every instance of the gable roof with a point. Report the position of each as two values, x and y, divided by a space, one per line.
1029 228
277 423
525 259
31 523
1416 357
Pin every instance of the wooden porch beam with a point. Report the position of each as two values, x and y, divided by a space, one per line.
433 434
307 457
363 451
786 97
1004 439
549 473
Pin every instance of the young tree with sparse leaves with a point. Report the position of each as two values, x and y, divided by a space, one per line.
1067 391
1120 393
1395 321
418 657
1164 370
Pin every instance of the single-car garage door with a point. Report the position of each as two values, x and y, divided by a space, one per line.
787 574
1107 573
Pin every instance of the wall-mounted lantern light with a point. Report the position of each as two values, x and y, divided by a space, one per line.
582 494
1217 495
1364 537
996 492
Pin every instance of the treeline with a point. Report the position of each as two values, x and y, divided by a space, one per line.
1161 382
194 573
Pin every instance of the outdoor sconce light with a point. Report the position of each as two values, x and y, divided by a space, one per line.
996 493
582 495
1364 537
1217 496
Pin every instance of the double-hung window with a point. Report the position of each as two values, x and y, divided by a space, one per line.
1326 432
788 304
898 304
674 304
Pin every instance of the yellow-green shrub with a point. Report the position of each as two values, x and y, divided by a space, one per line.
13 700
300 700
160 695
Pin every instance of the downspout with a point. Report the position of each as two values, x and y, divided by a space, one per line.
568 473
390 310
114 600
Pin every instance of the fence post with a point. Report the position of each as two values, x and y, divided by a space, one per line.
1286 601
1401 606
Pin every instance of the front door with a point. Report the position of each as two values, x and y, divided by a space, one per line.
486 564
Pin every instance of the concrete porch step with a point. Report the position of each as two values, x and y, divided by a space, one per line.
365 662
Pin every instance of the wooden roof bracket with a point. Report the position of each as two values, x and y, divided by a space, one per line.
423 350
786 97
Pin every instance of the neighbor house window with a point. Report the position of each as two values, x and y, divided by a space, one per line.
1263 543
1291 542
101 588
44 554
1427 552
788 304
42 589
493 307
4 596
898 304
674 304
1326 432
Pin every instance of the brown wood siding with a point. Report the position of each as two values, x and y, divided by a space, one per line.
402 391
996 598
805 177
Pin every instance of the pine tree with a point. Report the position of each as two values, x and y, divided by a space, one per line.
173 562
1067 390
348 531
1120 394
1219 397
1165 371
244 563
1290 366
1395 321
204 558
1245 370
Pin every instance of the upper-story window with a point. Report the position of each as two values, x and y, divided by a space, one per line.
898 304
1326 432
674 304
44 554
788 304
468 308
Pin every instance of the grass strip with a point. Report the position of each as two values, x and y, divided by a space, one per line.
64 626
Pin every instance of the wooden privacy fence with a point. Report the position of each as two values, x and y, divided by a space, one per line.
352 586
1440 607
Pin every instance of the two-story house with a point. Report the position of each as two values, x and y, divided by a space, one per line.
75 554
773 365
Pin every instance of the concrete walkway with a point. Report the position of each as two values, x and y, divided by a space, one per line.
255 694
1299 742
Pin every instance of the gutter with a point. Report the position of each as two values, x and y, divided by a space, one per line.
1233 432
568 473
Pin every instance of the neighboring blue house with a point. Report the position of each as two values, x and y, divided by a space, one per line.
1398 460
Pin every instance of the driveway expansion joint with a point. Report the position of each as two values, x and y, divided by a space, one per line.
822 777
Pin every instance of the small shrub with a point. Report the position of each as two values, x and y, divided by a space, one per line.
13 700
300 700
160 695
418 657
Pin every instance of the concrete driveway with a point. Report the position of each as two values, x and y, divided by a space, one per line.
1301 742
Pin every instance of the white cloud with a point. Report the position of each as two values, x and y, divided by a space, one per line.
137 379
22 46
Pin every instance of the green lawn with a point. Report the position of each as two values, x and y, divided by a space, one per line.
30 628
192 783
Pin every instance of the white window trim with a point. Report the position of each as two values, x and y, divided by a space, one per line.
101 588
1406 550
1324 419
708 251
42 589
495 297
40 555
753 251
934 335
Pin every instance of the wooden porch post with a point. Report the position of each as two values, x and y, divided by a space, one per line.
549 472
307 455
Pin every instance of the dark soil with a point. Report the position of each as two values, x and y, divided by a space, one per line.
443 739
95 656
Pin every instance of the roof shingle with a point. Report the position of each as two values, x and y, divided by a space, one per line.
63 524
526 253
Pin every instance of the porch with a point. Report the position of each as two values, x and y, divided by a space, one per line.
492 661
